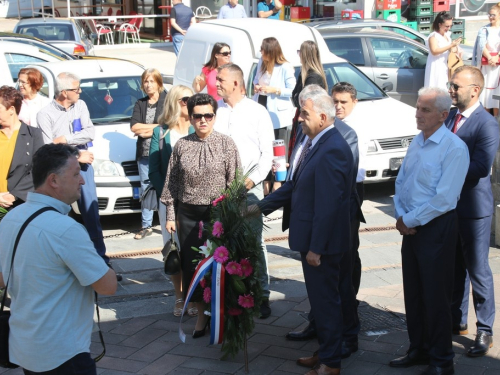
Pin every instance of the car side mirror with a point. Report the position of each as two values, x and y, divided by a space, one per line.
388 86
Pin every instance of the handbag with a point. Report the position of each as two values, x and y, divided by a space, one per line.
171 258
5 315
454 62
484 60
149 200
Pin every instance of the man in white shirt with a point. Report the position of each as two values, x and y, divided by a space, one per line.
232 10
249 125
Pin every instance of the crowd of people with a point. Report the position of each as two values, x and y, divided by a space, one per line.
190 146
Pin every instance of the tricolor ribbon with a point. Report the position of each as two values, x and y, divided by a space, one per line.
217 314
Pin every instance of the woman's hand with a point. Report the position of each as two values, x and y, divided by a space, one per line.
170 226
456 42
257 88
6 200
199 83
269 90
493 60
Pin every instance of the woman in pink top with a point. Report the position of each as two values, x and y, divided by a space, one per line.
221 54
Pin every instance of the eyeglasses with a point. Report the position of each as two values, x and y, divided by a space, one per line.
184 99
199 116
77 90
225 54
454 87
22 83
490 15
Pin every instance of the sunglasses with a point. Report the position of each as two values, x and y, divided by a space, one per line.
492 15
225 54
184 99
199 116
454 87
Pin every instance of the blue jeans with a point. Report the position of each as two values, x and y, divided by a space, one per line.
80 364
147 215
89 209
177 40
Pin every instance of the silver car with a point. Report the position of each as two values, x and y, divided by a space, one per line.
65 33
395 63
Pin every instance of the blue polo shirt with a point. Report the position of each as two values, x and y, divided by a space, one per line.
227 11
264 7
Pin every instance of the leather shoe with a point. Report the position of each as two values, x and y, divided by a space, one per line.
265 309
348 348
436 370
306 334
482 344
460 329
308 361
412 358
324 370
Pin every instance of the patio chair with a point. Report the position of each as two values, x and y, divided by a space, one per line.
202 13
104 31
131 28
110 11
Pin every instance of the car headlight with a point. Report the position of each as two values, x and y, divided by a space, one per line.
105 168
372 146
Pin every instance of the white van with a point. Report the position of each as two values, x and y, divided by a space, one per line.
391 123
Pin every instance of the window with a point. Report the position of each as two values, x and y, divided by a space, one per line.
405 33
48 31
392 53
17 61
350 49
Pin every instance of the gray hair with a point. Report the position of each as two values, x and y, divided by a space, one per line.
322 102
64 81
442 101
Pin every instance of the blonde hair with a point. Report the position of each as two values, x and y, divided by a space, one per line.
309 57
496 7
271 47
171 107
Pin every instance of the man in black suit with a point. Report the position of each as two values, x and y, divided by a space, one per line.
319 193
479 130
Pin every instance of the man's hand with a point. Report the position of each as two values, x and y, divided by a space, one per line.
403 229
313 259
170 226
61 139
249 183
6 200
86 157
253 210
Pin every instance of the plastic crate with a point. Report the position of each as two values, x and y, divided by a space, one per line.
412 24
418 11
388 4
418 3
424 20
455 34
389 15
424 28
458 24
441 6
300 14
352 14
328 11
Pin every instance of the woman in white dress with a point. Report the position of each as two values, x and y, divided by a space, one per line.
30 82
487 45
439 44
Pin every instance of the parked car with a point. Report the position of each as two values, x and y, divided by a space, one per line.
395 63
67 34
381 24
391 123
115 167
40 44
15 56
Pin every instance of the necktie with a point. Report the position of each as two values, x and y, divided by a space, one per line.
458 117
303 155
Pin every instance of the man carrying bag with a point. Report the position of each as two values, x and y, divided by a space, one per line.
55 272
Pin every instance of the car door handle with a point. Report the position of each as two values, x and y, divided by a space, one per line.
383 76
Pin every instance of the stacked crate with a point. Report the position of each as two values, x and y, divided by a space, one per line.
458 29
389 10
421 12
352 14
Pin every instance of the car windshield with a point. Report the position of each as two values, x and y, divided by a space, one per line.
48 31
42 47
111 99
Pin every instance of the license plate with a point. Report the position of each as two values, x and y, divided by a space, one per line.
136 193
395 163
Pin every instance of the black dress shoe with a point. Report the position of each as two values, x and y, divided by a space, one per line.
436 370
460 329
412 358
348 348
265 309
306 334
482 344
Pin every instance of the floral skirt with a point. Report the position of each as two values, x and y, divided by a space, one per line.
188 219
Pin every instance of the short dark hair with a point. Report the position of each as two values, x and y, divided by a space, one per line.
51 158
201 99
10 97
235 70
441 17
341 87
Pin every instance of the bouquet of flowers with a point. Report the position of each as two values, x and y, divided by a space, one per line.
3 212
232 242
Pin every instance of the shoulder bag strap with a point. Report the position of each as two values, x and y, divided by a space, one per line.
18 238
99 357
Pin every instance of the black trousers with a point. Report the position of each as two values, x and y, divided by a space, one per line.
80 364
428 269
356 261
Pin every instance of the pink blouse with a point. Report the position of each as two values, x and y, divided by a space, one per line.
210 75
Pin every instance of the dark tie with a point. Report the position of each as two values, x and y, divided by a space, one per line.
303 155
458 117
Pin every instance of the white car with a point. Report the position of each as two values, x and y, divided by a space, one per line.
115 167
390 123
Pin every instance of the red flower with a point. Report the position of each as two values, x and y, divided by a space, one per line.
200 230
207 295
218 200
246 267
203 283
221 255
245 301
218 229
234 268
234 311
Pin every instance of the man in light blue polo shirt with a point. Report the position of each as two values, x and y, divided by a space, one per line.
269 9
232 10
55 273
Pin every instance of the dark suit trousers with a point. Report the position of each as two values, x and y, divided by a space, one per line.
356 262
428 263
89 209
322 285
472 266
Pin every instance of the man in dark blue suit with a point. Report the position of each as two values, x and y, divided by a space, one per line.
319 194
479 130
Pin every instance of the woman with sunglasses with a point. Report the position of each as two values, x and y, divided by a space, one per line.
202 165
174 124
488 45
142 123
30 81
273 86
439 44
221 54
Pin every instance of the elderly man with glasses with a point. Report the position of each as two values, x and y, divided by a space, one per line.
479 130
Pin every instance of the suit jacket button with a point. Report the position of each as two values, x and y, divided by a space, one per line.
27 153
26 165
